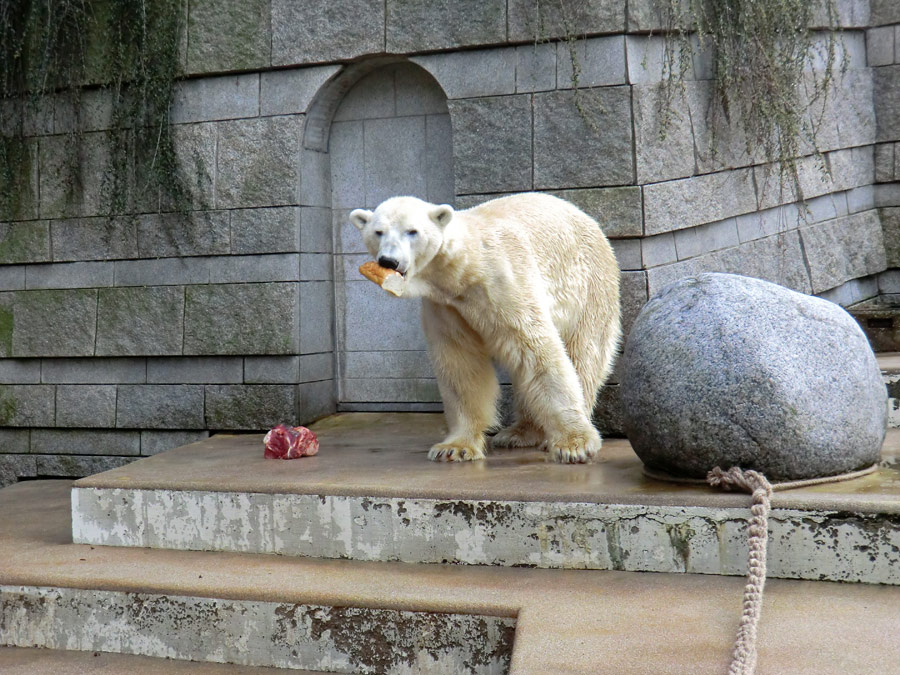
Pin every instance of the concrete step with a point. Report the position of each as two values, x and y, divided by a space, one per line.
255 610
33 661
371 494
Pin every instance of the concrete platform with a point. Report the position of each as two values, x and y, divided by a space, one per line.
371 494
566 621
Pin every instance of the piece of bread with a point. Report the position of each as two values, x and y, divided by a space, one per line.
390 280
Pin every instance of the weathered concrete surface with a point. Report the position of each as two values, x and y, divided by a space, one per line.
567 621
279 634
370 494
31 661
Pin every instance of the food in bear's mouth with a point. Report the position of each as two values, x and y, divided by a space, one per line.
284 442
390 280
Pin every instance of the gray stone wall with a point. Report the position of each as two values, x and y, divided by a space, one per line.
127 334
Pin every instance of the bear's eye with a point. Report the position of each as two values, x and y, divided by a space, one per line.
412 233
378 233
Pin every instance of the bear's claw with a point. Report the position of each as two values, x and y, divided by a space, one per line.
452 452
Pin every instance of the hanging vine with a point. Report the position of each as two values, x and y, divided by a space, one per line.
54 54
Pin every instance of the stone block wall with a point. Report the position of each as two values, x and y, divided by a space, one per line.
126 334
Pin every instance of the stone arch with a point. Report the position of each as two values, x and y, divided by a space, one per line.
377 129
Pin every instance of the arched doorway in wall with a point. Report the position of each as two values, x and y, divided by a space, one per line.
390 135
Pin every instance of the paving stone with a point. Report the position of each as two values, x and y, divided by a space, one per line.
394 158
216 98
420 25
195 148
12 277
27 242
272 230
160 406
880 46
14 441
492 150
536 20
228 36
779 258
63 196
316 317
315 183
469 74
53 323
536 67
843 249
316 399
162 271
316 267
658 250
173 234
69 275
310 32
155 442
27 405
140 321
272 369
572 149
379 365
316 231
664 145
255 268
416 91
884 162
886 82
195 370
86 405
705 238
258 162
598 62
628 253
24 203
363 305
619 210
20 371
99 238
678 204
242 319
93 371
75 466
287 92
250 406
13 467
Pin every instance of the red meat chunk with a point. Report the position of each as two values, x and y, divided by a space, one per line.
284 442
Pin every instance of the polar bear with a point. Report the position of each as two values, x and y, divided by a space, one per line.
527 280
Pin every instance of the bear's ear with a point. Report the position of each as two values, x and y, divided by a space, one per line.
442 214
360 218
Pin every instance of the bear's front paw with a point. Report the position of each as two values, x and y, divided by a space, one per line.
455 452
574 448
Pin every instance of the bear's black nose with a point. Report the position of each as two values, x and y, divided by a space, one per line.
389 263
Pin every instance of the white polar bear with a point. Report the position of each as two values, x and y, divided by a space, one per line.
528 280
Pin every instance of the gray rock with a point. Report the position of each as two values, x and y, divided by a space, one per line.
27 242
309 32
85 442
724 370
54 323
542 19
250 406
140 321
228 35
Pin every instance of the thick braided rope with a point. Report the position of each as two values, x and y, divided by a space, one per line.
744 654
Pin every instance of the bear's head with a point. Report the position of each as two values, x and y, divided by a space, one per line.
403 233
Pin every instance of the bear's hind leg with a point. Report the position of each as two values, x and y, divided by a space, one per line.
523 432
466 380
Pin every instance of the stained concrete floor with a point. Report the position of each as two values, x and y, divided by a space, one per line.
384 455
568 621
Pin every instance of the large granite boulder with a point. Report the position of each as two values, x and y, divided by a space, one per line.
725 370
